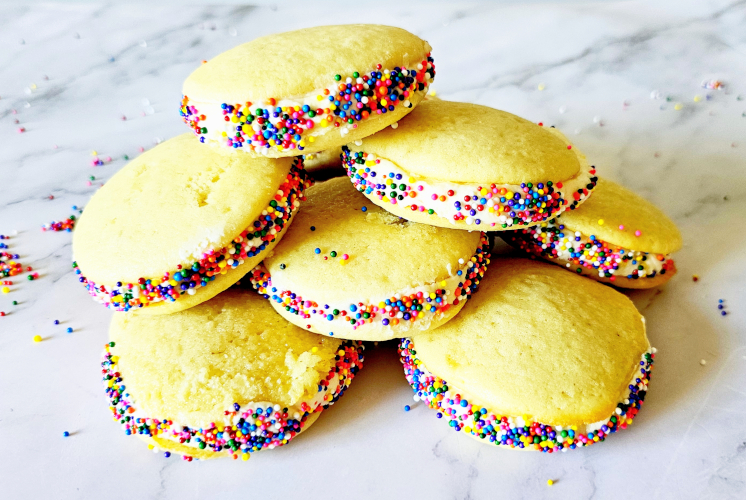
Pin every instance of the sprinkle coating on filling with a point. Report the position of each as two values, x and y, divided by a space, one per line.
553 241
493 205
519 432
427 301
187 279
293 123
245 428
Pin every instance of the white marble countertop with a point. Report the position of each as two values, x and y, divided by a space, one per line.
611 75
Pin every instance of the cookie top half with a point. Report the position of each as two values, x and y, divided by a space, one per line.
618 216
539 343
469 167
178 206
307 90
344 248
469 143
193 366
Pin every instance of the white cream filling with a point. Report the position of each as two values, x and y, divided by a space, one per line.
294 411
378 305
219 130
569 245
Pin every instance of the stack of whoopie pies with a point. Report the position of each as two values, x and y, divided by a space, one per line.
397 250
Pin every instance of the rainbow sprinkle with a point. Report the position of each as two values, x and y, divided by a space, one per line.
9 266
187 279
516 432
495 205
554 242
282 125
65 225
389 312
244 430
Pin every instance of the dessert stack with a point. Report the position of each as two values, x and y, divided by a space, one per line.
514 351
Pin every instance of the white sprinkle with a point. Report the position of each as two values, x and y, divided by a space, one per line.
703 362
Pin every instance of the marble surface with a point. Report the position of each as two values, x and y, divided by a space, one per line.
105 78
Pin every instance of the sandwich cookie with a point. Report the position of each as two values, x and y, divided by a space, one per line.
182 223
471 167
540 359
615 237
349 269
309 90
226 378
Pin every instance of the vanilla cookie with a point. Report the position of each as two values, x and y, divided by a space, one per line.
226 378
181 223
471 167
308 90
616 237
540 359
350 269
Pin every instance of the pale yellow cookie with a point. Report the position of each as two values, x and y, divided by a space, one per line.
615 237
536 348
181 381
352 270
181 223
466 166
307 90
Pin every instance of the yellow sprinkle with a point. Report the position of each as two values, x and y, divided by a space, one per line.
432 93
600 222
697 98
37 338
6 289
314 349
94 153
678 106
33 86
311 139
245 457
343 262
550 482
541 86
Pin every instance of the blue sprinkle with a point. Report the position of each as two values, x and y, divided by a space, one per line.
69 330
406 408
65 434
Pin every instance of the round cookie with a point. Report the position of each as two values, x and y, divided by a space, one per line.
539 359
466 166
307 90
349 269
615 237
227 377
181 223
